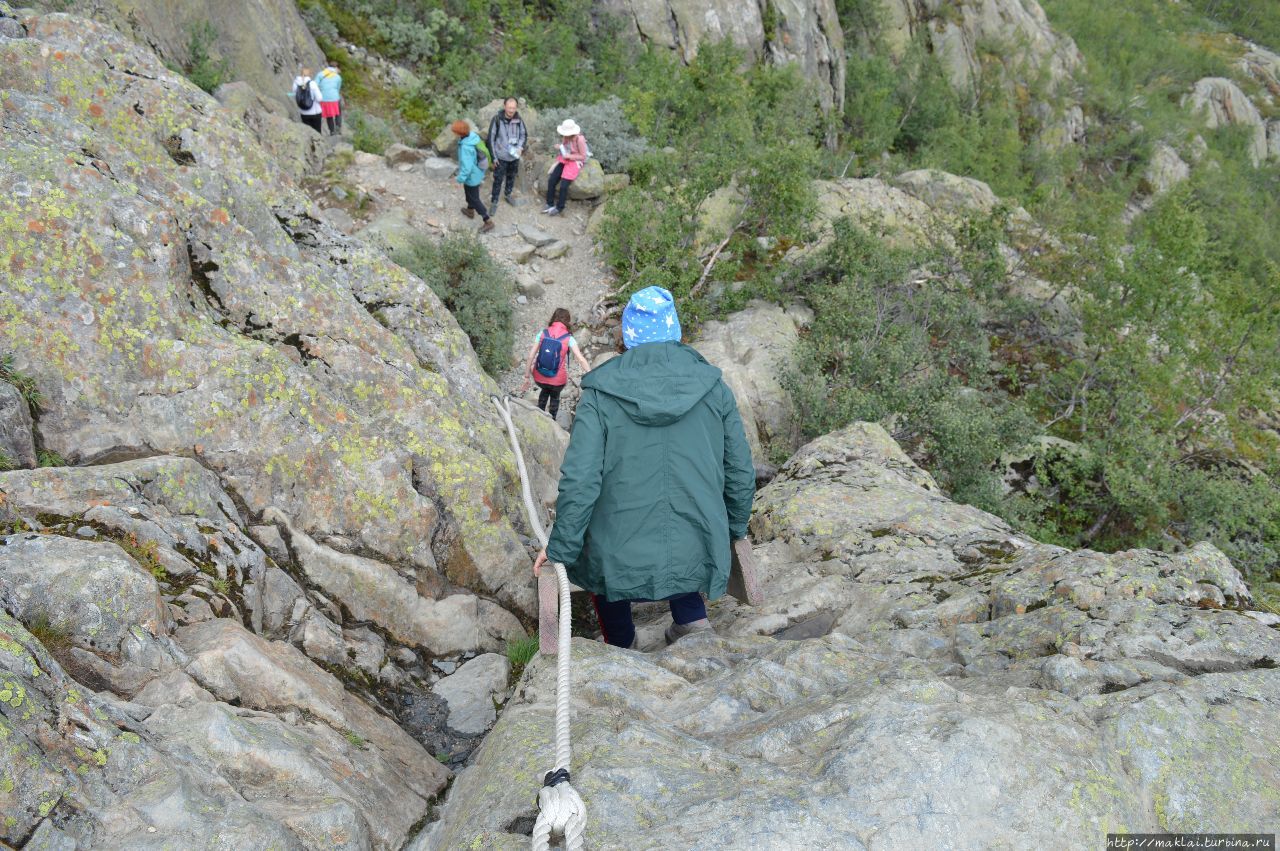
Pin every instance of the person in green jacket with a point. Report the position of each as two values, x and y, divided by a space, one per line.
657 480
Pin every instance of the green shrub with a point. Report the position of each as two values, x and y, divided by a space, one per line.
203 68
369 133
612 139
475 289
6 463
897 338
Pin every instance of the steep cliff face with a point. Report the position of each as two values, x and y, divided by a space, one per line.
263 42
806 32
1014 33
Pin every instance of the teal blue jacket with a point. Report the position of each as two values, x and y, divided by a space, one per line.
657 478
330 84
469 174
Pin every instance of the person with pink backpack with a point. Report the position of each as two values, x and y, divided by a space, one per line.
548 364
571 154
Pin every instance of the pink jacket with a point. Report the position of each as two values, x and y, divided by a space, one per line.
577 156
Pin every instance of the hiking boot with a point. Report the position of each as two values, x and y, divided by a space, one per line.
468 212
677 631
554 212
550 209
487 226
493 203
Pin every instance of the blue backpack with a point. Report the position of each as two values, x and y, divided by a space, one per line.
550 353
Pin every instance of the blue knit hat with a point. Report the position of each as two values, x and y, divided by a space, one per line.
650 317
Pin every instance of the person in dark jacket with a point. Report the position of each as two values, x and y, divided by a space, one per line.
506 141
657 480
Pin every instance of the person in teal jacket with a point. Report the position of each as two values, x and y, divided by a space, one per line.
470 175
329 80
657 480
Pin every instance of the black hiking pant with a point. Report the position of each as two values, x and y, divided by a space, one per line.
619 629
549 398
315 122
564 185
474 202
504 172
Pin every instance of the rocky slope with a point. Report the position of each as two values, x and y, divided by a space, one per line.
173 293
292 511
262 42
920 676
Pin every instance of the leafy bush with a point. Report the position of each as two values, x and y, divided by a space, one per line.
475 289
897 338
318 21
613 140
369 133
203 68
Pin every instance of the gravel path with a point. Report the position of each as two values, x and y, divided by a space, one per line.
433 202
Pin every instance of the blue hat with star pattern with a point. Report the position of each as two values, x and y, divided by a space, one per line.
650 317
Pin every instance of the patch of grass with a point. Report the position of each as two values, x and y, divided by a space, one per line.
145 553
6 463
520 653
49 458
354 738
25 384
222 585
53 636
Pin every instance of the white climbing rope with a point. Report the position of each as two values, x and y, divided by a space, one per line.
561 812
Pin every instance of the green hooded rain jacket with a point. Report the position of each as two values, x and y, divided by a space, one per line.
657 478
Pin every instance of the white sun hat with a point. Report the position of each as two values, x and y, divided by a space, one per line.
568 127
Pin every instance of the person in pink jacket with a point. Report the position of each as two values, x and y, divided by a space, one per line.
571 153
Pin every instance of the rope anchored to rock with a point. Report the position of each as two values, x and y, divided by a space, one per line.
561 812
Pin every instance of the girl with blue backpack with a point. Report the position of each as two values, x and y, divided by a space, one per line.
548 364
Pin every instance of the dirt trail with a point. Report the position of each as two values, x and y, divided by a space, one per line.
432 201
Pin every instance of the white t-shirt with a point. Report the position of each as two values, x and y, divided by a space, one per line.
315 95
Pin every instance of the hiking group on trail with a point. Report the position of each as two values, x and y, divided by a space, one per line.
319 99
657 480
502 148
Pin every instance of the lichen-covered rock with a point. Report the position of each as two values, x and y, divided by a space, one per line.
754 349
1222 104
75 758
806 32
878 206
589 184
172 291
267 54
17 442
471 691
298 149
245 670
959 686
1165 171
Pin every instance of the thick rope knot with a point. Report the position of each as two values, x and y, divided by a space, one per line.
561 814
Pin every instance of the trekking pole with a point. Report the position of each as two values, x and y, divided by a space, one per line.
561 811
